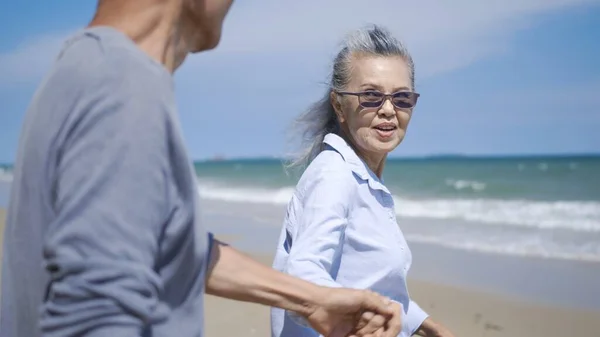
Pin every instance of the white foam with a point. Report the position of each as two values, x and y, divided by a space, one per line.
466 184
5 175
572 215
529 247
280 196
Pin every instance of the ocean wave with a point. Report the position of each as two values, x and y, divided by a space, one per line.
527 247
465 184
572 215
5 175
280 196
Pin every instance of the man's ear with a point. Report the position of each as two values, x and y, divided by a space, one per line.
336 103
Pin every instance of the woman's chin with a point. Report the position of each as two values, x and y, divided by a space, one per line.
384 148
389 144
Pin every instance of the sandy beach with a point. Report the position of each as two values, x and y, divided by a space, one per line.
467 312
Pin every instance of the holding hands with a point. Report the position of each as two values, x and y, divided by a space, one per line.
341 312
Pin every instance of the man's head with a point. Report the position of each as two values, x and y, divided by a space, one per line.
166 29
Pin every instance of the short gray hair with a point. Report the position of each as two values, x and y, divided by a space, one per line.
320 119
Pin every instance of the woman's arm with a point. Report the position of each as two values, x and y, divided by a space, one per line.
415 317
430 328
419 323
316 249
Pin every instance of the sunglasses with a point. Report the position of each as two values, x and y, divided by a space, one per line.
374 99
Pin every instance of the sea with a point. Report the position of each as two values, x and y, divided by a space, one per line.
545 207
534 206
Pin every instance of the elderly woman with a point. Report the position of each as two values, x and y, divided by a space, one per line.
340 229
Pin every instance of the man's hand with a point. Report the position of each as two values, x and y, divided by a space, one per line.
430 328
348 312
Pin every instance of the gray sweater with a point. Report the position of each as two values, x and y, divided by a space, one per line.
103 236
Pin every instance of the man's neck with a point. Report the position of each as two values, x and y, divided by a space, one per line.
154 26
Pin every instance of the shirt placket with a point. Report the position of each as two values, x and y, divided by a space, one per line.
391 211
388 203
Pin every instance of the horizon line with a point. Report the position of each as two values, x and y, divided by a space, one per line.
222 158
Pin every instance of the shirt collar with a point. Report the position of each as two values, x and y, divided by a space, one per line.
357 165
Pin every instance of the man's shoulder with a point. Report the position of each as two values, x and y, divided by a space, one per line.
96 60
99 72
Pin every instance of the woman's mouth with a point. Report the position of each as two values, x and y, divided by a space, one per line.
385 130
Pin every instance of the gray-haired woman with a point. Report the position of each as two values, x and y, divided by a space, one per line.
340 229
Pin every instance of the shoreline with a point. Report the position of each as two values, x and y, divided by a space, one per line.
466 311
540 280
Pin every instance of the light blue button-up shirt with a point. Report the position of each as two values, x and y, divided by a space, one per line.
340 230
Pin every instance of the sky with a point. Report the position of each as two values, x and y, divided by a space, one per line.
496 77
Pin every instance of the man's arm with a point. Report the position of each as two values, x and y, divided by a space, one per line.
331 311
109 194
234 275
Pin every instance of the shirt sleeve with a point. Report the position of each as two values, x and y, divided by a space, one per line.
111 200
414 317
316 249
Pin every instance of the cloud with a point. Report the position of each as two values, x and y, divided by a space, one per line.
442 35
311 24
27 62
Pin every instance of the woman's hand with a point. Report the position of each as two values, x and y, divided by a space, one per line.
430 328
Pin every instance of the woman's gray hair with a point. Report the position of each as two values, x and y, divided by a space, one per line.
320 119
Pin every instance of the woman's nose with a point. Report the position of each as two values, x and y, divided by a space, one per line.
387 108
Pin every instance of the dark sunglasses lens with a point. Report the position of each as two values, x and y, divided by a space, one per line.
404 100
371 104
371 99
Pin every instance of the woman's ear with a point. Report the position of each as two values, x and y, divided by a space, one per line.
336 103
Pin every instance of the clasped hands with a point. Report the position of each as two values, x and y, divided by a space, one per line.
341 312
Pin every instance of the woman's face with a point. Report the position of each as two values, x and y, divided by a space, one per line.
376 130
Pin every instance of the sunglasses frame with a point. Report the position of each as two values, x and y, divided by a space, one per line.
384 97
